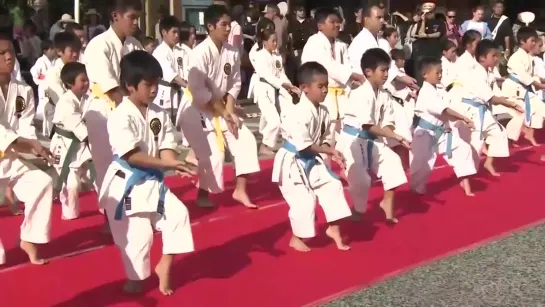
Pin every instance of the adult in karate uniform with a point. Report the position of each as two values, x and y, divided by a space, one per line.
368 121
102 57
210 124
432 135
324 48
17 134
134 193
299 169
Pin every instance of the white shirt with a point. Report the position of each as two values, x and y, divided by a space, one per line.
367 108
431 104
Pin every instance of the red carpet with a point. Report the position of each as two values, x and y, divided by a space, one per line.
242 258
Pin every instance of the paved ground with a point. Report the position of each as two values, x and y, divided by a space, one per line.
508 272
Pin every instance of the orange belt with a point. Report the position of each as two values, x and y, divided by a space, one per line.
98 93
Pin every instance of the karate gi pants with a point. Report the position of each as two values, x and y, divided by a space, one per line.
301 197
204 143
69 194
273 104
35 189
424 152
385 163
133 234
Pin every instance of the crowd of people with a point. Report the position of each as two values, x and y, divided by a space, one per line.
116 109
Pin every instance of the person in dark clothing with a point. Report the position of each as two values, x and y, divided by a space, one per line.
502 32
300 29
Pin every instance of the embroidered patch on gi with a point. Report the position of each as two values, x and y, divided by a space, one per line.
227 69
278 65
179 60
155 126
20 104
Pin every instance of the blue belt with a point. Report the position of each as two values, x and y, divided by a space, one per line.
365 135
309 159
139 175
438 130
527 105
482 110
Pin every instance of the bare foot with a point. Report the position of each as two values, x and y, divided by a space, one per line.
243 198
265 150
389 212
205 202
132 286
467 188
298 244
335 234
542 158
490 168
32 251
532 140
163 273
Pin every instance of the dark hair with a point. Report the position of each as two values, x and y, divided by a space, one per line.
448 44
478 8
168 22
63 40
237 13
264 23
388 31
30 24
274 7
308 71
70 71
185 31
484 47
468 38
367 11
138 66
46 45
427 63
264 36
498 2
122 6
148 40
397 54
213 14
524 33
323 13
73 26
373 58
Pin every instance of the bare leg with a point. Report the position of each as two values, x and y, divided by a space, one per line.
298 244
466 186
489 166
334 232
240 193
32 251
387 205
163 273
529 135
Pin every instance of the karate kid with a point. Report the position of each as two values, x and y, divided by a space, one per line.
210 124
477 97
448 64
299 168
38 72
368 119
262 25
324 48
521 83
30 185
273 91
69 142
433 137
149 43
134 194
170 87
68 48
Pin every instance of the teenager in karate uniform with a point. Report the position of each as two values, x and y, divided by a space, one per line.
477 97
432 135
134 193
324 48
69 142
273 91
38 72
102 57
68 48
210 124
299 168
17 134
368 119
170 87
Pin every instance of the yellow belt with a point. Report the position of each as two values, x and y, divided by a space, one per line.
220 140
456 84
336 91
98 93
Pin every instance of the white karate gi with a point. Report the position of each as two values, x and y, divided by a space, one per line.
366 108
38 72
53 90
69 127
30 185
169 94
102 57
273 100
403 107
305 126
182 52
430 139
213 74
254 79
521 67
449 72
138 215
334 57
477 92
